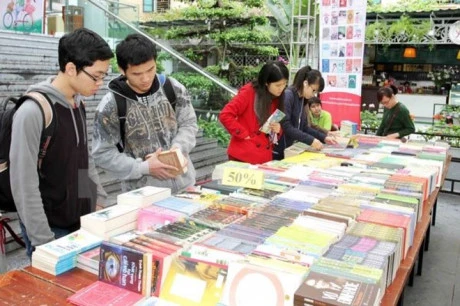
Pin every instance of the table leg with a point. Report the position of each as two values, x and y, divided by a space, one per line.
401 298
426 241
411 277
420 257
433 216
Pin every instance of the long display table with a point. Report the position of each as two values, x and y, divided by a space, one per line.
31 286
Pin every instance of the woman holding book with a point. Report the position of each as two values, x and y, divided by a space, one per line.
307 83
396 121
247 112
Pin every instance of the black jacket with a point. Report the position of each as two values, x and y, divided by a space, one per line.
295 125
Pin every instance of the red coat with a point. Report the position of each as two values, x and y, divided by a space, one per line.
240 119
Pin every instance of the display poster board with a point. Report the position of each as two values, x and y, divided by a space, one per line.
341 50
22 15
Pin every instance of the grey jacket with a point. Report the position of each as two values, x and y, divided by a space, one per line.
151 123
25 143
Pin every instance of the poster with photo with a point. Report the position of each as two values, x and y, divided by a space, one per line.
22 15
341 57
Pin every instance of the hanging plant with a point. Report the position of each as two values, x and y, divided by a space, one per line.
405 29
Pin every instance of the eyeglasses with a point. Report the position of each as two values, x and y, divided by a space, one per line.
92 77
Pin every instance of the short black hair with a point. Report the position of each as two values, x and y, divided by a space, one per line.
134 50
82 47
386 92
314 100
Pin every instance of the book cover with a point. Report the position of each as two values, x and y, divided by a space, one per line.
193 282
323 289
144 196
69 245
153 217
276 117
262 281
174 158
125 268
100 293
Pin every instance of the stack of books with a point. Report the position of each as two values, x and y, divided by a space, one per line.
89 260
110 221
60 255
143 197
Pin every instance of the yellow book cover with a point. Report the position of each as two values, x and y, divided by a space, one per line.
193 283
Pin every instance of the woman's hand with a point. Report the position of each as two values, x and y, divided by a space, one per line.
333 133
317 145
330 140
275 127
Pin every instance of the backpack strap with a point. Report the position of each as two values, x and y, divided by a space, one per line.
49 122
165 83
121 109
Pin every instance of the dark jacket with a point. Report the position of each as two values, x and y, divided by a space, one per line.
66 189
396 120
295 125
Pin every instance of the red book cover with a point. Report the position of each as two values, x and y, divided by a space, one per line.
100 293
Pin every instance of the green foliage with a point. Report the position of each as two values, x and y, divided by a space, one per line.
247 72
369 119
254 3
242 35
405 29
156 32
197 13
193 55
162 56
180 32
196 84
281 10
213 129
114 65
406 6
213 69
262 50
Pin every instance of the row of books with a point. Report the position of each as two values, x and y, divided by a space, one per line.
323 230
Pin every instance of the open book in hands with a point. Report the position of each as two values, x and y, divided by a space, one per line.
276 117
174 158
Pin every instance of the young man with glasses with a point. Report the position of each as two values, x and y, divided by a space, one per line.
396 120
50 201
152 122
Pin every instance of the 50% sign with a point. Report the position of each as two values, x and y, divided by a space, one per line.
241 177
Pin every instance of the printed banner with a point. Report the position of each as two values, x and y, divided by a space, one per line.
342 31
22 15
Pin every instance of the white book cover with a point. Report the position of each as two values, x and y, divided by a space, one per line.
144 196
108 219
70 245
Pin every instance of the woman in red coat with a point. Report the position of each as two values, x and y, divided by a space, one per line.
249 109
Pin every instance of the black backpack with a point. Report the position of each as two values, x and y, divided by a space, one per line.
165 82
6 121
